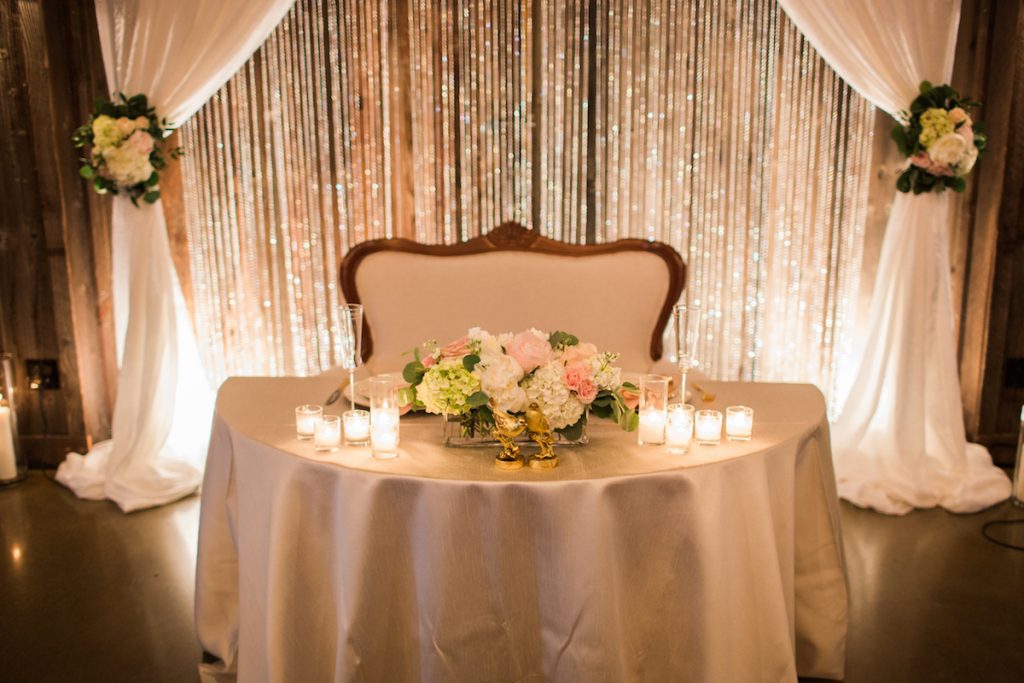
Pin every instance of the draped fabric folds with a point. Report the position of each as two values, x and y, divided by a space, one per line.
899 442
178 54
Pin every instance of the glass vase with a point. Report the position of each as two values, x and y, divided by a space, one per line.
455 436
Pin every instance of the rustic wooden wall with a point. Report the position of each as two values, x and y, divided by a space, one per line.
50 300
985 236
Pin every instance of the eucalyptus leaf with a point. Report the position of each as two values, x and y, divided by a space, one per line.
151 196
478 399
413 372
87 172
470 361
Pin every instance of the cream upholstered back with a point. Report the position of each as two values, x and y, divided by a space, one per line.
616 299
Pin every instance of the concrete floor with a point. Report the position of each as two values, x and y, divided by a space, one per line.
89 594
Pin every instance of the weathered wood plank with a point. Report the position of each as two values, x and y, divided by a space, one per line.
997 31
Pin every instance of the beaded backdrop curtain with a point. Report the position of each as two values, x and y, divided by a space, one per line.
711 125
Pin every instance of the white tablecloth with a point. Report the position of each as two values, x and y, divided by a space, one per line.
625 563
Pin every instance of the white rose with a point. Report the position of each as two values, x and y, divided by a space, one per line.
967 163
950 150
499 379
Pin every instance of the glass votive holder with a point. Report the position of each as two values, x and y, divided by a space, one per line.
739 423
653 409
327 433
357 427
384 417
305 421
679 428
708 427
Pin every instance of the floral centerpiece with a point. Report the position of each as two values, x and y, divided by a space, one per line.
480 374
124 148
940 139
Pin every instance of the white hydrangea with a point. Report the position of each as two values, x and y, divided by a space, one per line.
484 343
126 166
606 375
547 389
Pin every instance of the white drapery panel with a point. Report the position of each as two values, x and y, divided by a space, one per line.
178 54
899 442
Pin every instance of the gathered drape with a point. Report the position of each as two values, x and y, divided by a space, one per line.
178 54
899 442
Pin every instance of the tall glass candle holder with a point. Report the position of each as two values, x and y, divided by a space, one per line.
653 410
384 417
12 462
679 428
739 423
708 427
305 421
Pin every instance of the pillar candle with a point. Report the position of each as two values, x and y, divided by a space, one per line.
8 465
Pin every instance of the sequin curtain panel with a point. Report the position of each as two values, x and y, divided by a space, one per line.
712 126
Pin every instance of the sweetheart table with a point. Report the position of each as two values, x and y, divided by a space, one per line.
625 563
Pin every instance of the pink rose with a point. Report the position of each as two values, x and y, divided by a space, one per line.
125 126
958 115
921 160
630 398
576 374
428 362
457 349
529 350
583 351
587 391
141 142
966 131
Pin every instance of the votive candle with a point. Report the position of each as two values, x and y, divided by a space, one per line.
708 427
305 420
357 427
679 428
327 433
739 423
652 427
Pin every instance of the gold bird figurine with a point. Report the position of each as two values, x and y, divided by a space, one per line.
540 432
506 429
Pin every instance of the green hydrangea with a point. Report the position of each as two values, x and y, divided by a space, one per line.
446 388
935 123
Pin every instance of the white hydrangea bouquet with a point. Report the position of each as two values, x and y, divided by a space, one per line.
480 372
940 139
123 142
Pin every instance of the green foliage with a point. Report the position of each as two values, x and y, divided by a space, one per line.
560 340
469 362
478 399
413 371
574 431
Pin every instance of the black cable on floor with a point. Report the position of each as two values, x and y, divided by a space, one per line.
985 528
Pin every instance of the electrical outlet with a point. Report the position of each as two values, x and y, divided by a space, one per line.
42 374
